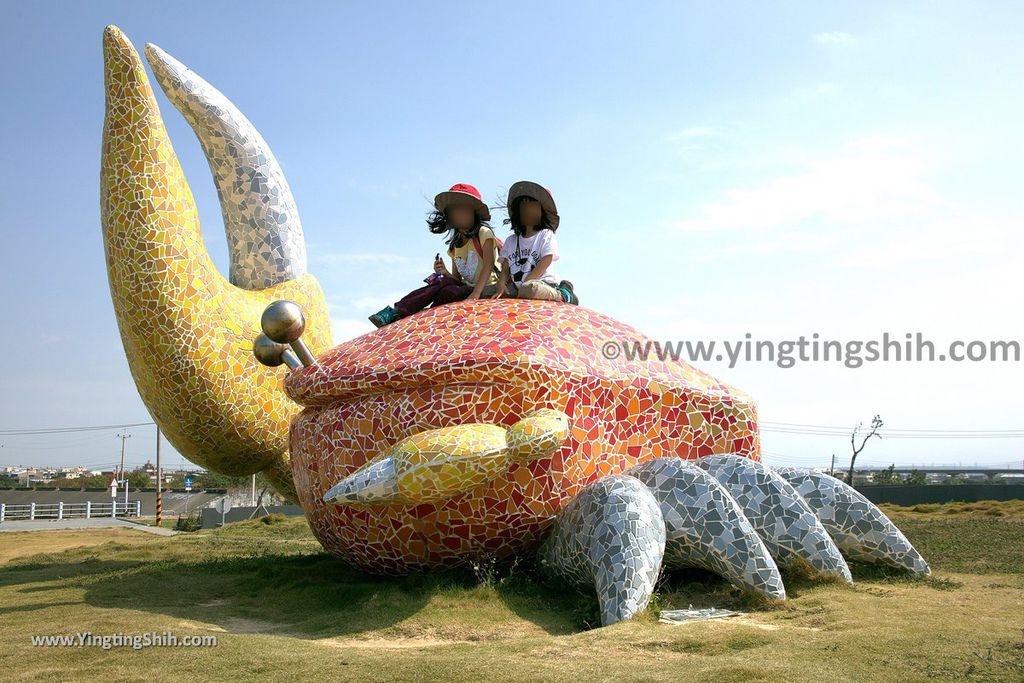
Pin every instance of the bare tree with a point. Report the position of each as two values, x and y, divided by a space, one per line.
876 424
259 502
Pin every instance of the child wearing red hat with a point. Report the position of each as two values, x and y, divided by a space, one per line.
528 254
461 213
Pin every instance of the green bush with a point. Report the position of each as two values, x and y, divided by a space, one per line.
273 518
192 522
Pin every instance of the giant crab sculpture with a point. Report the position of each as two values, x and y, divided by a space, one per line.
486 428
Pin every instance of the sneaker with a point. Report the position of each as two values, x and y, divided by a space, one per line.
385 316
568 296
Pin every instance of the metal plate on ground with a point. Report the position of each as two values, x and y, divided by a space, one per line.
684 616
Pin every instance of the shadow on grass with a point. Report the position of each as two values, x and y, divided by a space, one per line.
319 596
306 595
273 578
240 580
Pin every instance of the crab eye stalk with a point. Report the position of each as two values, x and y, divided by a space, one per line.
284 323
272 354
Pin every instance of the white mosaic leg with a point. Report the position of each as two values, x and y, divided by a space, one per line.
265 241
781 517
705 527
611 536
859 528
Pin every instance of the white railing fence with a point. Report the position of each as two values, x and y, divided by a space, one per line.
62 510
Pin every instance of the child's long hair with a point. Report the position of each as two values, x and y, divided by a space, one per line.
517 226
437 221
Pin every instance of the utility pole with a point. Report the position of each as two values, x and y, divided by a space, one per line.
124 477
252 491
159 480
832 467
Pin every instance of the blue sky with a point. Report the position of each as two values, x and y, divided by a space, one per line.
720 170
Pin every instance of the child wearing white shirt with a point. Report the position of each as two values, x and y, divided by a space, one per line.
528 255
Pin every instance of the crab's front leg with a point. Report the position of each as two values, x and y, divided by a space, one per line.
440 463
610 536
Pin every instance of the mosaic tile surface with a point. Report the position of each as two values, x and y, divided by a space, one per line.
706 528
493 362
859 528
612 537
186 331
260 217
441 463
781 517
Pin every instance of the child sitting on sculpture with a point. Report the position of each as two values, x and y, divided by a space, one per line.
472 246
528 254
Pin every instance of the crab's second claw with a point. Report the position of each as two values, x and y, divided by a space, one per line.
375 483
426 467
441 463
781 517
539 434
704 527
859 528
612 537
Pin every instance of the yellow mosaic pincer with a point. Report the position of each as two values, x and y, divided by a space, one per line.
441 463
187 330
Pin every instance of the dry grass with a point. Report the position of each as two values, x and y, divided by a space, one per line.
17 544
1009 509
283 610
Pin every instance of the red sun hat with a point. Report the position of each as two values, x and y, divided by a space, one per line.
465 194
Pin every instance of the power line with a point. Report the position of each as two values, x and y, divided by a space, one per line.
930 431
887 435
767 426
823 430
70 430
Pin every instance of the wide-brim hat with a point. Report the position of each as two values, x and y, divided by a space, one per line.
528 188
465 194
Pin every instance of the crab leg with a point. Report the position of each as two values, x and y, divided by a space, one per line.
781 517
441 463
859 528
611 536
706 528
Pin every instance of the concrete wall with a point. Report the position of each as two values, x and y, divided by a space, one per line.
211 518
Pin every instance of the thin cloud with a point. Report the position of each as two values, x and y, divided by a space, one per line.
817 90
692 132
834 38
869 179
345 329
349 258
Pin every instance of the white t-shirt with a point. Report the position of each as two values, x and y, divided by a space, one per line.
523 254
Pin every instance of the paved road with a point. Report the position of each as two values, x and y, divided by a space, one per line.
92 523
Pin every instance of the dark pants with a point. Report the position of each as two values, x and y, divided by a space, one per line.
443 291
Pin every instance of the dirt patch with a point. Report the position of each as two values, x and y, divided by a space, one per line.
234 625
390 643
764 626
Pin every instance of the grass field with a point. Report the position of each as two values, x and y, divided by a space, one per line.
283 610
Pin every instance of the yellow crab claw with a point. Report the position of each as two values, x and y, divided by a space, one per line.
538 435
441 463
186 330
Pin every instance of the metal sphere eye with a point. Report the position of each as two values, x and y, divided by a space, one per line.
268 352
283 321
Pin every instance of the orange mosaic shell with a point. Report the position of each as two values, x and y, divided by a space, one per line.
492 361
